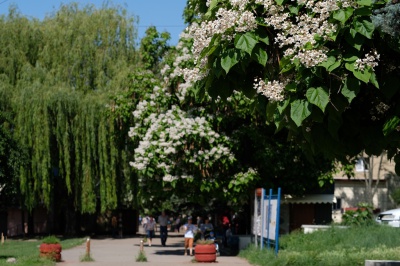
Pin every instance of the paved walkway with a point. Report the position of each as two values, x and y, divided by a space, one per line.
121 252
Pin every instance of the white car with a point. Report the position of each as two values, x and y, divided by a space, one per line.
390 217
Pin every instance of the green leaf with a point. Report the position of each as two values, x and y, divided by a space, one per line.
391 125
349 66
363 75
355 40
291 87
350 58
364 27
294 10
343 15
331 63
279 2
353 33
260 55
364 2
262 35
271 109
213 5
300 110
246 42
229 59
373 80
319 97
285 65
282 106
350 89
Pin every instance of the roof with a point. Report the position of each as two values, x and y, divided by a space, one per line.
309 199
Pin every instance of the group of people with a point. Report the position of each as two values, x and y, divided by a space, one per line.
201 229
190 230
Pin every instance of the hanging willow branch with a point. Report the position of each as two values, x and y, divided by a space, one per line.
59 74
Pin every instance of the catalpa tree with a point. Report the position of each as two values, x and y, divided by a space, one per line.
325 70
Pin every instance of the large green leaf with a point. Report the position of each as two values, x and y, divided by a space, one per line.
260 55
374 80
354 39
343 15
300 110
364 27
262 35
319 97
246 42
363 75
391 125
364 2
350 89
229 59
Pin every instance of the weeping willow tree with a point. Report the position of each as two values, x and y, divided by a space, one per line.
61 76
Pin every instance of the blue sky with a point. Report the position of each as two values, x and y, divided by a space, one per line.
166 15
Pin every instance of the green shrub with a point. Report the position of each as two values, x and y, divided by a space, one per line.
141 256
51 240
205 242
362 216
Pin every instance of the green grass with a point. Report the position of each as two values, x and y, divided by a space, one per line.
26 252
141 257
334 247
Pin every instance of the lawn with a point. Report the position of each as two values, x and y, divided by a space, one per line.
351 246
26 252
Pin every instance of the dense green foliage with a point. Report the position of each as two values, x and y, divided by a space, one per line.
208 152
11 158
327 71
60 77
336 246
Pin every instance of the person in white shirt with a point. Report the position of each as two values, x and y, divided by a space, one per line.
190 230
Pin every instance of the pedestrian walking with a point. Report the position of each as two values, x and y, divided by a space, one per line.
150 228
178 223
190 230
163 222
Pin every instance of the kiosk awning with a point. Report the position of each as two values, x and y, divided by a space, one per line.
309 199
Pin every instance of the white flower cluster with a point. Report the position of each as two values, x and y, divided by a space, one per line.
371 59
237 20
172 132
273 90
382 108
296 36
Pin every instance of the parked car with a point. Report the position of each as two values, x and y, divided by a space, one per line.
390 217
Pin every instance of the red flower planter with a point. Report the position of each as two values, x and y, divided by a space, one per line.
52 251
205 253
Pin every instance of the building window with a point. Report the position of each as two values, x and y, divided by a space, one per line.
361 165
338 204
